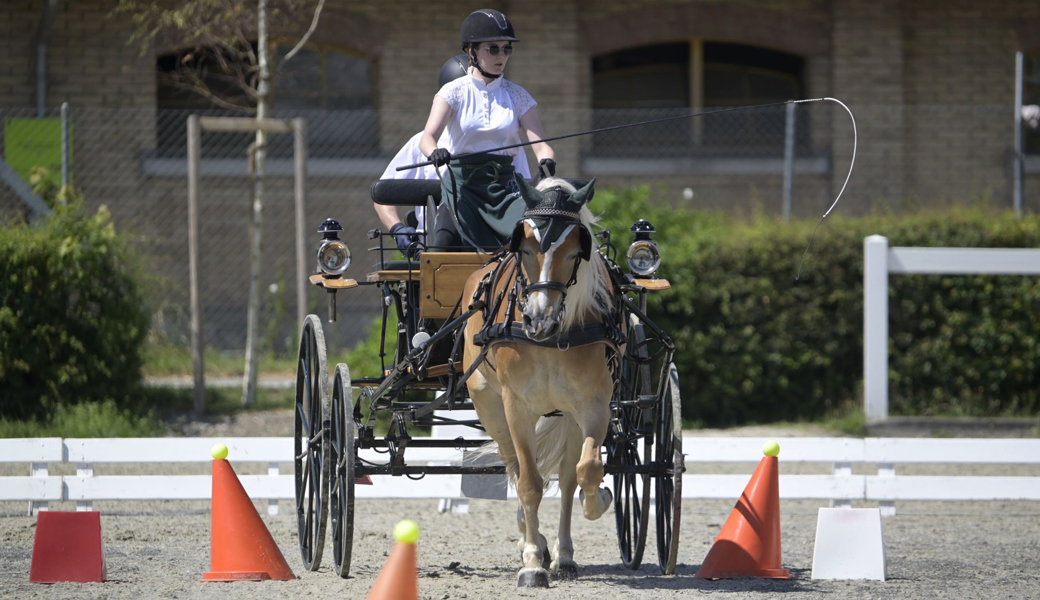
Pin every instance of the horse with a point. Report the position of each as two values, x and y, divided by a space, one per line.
545 403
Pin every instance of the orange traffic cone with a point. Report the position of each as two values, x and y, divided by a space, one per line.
749 543
399 579
241 547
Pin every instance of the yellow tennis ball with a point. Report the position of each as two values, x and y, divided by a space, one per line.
406 531
771 448
219 451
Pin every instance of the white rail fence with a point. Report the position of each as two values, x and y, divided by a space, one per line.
880 260
841 486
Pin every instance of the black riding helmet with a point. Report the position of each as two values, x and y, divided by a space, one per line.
485 25
451 70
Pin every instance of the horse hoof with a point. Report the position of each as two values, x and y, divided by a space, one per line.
538 578
567 570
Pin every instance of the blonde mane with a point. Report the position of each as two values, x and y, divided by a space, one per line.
590 296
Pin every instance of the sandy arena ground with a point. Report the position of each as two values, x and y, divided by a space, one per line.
161 549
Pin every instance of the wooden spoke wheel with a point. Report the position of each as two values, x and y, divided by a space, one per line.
668 454
342 432
632 490
311 448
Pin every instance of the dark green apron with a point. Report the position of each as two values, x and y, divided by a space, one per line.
488 203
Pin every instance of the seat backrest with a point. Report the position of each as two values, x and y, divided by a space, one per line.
406 192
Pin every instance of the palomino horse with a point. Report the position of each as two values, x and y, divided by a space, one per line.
563 284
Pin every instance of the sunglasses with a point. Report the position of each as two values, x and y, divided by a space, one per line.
493 50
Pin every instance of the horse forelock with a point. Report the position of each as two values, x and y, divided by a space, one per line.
591 293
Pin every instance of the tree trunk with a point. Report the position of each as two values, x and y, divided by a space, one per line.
260 154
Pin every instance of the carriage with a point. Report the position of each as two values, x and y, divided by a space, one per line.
423 383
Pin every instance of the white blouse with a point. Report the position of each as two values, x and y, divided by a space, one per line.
486 116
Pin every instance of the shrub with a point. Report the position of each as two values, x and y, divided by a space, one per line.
756 345
72 316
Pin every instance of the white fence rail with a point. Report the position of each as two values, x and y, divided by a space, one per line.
841 486
880 260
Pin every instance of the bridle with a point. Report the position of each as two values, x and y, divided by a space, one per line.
572 220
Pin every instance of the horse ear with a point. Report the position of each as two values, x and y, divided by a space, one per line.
532 197
581 197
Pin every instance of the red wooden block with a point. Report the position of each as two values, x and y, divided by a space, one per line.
67 547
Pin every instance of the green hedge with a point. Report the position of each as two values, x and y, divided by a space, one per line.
72 316
755 345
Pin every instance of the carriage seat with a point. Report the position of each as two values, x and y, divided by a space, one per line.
413 192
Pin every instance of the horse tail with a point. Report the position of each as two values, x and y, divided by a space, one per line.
550 444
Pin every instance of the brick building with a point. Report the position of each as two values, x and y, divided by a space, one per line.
931 84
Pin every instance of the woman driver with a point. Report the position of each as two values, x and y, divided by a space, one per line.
477 113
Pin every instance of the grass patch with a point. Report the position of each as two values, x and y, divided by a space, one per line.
219 401
169 361
86 420
852 423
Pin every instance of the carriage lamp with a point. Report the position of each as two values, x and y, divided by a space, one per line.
643 256
333 254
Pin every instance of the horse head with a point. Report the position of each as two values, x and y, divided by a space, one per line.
550 243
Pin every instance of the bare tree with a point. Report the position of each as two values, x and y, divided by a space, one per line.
222 65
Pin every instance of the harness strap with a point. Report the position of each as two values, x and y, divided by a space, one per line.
583 335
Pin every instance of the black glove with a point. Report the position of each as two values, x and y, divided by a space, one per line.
404 236
546 168
440 157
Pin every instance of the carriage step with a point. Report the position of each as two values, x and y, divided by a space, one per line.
647 401
641 401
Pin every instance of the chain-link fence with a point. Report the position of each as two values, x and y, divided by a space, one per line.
135 162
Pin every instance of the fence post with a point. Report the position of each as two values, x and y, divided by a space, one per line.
300 161
1016 163
64 146
197 346
788 160
875 327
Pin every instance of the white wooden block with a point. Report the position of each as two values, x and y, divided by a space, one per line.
35 489
849 544
31 450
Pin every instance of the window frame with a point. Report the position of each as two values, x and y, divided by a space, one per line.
719 163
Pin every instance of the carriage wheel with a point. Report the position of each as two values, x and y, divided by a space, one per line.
631 490
311 447
668 490
344 453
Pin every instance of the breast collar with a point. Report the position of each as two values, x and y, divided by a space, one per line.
507 276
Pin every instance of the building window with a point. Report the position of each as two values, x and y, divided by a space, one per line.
333 89
198 80
1031 96
324 79
662 80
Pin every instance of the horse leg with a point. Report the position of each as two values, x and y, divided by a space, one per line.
521 523
563 565
529 488
594 499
